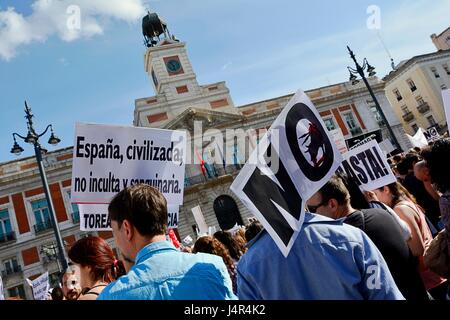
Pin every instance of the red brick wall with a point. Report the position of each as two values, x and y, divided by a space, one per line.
21 214
58 202
182 89
30 256
34 192
67 183
218 103
325 113
157 117
4 200
64 157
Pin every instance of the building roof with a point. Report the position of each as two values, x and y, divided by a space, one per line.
403 65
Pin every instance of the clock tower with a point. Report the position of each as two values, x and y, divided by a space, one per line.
174 81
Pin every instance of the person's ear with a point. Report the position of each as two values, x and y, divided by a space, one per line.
128 229
333 204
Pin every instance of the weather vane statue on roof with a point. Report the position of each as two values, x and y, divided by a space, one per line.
153 27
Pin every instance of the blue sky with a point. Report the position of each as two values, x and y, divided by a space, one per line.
261 48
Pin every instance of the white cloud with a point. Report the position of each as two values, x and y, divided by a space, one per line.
67 19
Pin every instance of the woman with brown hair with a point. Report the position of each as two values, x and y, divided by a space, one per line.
97 264
209 244
398 198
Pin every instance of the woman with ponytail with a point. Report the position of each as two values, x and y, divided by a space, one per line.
97 263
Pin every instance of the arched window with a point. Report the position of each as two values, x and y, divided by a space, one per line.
227 212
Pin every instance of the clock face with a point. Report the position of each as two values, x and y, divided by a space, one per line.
173 65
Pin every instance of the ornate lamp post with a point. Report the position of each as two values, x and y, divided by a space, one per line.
33 138
371 72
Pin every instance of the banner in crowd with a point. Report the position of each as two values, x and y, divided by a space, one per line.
107 159
40 286
200 220
432 135
293 160
368 166
339 140
446 100
2 296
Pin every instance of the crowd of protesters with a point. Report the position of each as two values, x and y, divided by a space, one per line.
388 243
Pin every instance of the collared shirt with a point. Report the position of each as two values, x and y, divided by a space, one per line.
162 272
329 260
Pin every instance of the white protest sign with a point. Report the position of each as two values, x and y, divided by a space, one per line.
446 100
419 139
40 287
187 240
200 220
339 140
2 296
94 217
107 159
364 141
432 135
293 160
172 216
368 167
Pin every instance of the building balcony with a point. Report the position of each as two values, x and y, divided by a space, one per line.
200 179
76 217
409 116
355 131
8 236
41 227
11 271
423 107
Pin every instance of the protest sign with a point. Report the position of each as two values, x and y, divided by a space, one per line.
446 100
172 216
432 134
107 159
339 140
293 160
368 167
200 220
419 139
2 296
364 141
187 240
40 286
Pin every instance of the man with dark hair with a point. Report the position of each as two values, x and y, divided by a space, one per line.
139 222
417 188
333 201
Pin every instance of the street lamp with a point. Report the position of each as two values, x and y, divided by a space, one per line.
33 138
371 72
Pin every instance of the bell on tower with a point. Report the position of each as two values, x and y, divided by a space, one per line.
152 28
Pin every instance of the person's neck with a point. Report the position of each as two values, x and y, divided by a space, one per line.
142 242
343 211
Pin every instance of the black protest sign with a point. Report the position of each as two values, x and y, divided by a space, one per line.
367 166
291 163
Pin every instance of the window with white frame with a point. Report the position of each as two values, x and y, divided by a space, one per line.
351 123
405 109
41 214
415 127
17 291
10 266
75 211
420 101
329 123
6 232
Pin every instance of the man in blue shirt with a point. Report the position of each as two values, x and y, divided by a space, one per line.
329 260
139 221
